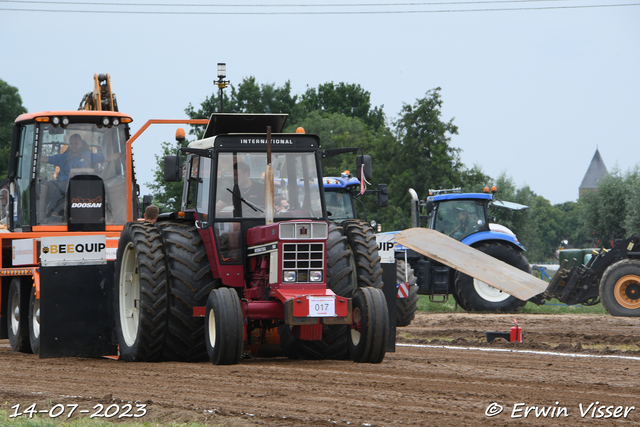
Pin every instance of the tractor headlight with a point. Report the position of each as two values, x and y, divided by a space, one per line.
288 276
65 121
116 122
55 121
315 276
105 121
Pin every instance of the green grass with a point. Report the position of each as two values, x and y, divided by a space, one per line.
46 421
549 308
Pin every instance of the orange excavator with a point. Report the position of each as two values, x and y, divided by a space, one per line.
70 189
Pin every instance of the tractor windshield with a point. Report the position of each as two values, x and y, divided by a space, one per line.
339 205
80 149
460 218
241 178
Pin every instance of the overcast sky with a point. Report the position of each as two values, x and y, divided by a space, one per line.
534 91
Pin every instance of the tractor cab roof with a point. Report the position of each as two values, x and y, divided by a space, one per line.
247 132
458 196
74 116
221 123
344 181
511 206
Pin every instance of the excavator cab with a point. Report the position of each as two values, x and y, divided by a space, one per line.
50 150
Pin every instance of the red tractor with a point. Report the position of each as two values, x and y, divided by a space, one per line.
251 250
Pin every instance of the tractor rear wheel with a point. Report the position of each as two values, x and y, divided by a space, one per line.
475 295
140 293
224 331
370 330
339 279
34 322
189 281
406 307
18 321
620 288
361 239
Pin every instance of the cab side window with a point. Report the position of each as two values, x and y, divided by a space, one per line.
23 177
203 188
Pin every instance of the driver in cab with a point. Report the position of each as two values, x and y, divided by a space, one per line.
77 156
248 189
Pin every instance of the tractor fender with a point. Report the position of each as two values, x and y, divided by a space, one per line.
484 236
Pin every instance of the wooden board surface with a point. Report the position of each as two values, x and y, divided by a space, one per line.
468 260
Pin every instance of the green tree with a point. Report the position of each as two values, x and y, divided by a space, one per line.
604 212
516 221
632 216
539 228
336 131
10 108
343 98
419 156
572 228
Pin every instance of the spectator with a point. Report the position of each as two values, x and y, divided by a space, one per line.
151 214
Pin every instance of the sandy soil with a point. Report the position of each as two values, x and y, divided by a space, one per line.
442 373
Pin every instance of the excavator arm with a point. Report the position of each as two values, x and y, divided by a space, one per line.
102 98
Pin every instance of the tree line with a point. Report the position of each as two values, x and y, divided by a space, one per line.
412 150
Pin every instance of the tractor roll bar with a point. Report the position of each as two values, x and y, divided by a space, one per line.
130 152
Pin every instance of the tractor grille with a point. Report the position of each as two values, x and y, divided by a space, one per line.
303 258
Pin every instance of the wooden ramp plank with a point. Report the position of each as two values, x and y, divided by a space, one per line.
468 260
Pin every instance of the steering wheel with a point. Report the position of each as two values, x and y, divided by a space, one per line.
74 162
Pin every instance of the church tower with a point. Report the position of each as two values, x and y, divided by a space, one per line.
597 170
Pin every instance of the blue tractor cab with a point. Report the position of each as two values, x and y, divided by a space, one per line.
464 217
339 193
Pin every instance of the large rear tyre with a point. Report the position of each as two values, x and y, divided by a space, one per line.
475 295
34 322
224 331
406 307
18 322
140 293
620 288
339 279
370 330
361 239
189 281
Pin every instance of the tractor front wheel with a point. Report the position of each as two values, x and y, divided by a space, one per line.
34 322
475 295
224 327
370 328
620 288
18 321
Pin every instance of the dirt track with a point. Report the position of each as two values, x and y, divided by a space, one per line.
449 376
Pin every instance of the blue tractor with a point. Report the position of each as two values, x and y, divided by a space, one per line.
465 217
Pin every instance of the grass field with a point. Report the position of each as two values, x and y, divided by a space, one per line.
45 421
551 307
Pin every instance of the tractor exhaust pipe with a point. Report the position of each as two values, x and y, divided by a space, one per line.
268 183
415 209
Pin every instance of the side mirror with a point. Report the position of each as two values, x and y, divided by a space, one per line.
173 168
429 206
147 200
383 195
366 160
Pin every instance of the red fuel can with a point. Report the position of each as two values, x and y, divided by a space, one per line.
516 332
